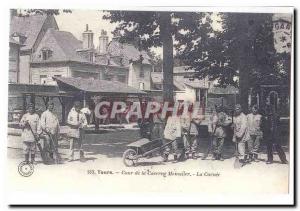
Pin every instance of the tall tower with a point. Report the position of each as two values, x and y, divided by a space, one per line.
103 42
87 38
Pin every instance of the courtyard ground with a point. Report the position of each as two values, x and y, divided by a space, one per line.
104 171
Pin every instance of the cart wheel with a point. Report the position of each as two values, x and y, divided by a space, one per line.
129 157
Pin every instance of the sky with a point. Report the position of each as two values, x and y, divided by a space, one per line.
76 21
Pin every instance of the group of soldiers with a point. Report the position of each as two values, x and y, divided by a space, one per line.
248 132
46 128
181 131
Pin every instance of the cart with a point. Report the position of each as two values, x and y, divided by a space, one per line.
143 148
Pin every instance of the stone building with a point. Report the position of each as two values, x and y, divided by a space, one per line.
45 51
29 31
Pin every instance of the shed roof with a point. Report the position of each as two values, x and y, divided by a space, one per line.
97 86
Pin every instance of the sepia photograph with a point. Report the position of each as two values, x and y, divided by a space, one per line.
153 102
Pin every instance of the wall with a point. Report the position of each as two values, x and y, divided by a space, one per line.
50 71
24 69
116 74
84 71
13 62
189 94
136 79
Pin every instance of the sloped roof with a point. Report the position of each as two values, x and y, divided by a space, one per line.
157 78
12 40
30 26
97 86
64 46
127 52
182 69
226 90
179 81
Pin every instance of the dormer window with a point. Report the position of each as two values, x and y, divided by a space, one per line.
91 56
46 54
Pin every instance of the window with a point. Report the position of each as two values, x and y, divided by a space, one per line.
142 86
108 77
43 79
122 78
91 57
46 54
142 73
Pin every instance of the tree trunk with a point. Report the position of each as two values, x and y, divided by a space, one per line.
167 43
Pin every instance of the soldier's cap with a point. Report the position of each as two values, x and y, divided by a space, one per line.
30 105
50 102
77 103
238 106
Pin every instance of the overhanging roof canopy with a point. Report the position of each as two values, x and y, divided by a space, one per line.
96 86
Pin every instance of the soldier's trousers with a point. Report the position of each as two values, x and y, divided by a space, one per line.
217 145
157 131
277 148
242 149
50 144
190 143
79 141
254 144
177 147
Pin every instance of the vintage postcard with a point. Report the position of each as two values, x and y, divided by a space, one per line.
151 106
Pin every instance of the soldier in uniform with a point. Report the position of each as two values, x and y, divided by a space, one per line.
158 126
30 119
219 121
49 125
190 134
76 121
271 133
172 132
255 133
240 132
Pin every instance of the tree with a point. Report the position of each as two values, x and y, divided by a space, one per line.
27 12
242 54
155 29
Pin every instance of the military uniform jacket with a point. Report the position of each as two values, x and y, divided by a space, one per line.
241 133
254 124
33 120
76 118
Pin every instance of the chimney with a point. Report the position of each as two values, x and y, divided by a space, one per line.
13 12
87 38
103 42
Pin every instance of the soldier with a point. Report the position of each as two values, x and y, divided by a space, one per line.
240 132
219 121
76 121
30 119
158 127
49 125
255 133
271 133
172 132
190 135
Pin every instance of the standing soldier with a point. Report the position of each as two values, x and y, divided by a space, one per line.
158 126
271 132
219 121
76 121
172 132
30 119
190 134
49 125
240 132
255 133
